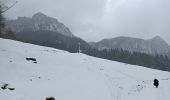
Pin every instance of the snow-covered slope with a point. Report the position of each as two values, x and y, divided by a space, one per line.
74 76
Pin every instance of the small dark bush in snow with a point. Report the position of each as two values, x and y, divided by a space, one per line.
35 62
50 98
4 86
156 83
32 59
11 89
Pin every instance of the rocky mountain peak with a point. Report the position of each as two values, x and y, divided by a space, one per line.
159 41
38 22
39 14
157 38
152 46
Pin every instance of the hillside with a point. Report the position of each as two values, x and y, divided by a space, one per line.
74 76
43 30
52 39
152 46
38 22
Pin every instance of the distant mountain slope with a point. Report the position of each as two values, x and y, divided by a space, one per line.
153 46
74 76
52 39
46 31
71 44
38 22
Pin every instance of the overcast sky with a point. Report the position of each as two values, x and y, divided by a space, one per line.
94 20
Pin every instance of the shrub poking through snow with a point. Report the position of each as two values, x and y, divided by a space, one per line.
50 98
7 86
156 83
11 89
4 86
32 59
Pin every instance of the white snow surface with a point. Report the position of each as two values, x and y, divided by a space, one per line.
74 76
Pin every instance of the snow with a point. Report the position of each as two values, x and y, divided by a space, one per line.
74 76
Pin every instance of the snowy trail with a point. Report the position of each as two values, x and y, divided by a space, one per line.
74 76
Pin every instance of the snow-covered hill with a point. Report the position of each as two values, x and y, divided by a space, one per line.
74 76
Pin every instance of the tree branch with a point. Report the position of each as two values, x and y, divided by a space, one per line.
9 7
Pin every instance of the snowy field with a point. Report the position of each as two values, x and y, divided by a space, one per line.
74 76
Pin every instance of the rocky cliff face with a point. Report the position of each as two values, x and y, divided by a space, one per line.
38 22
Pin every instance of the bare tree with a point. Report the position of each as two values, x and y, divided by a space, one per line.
6 8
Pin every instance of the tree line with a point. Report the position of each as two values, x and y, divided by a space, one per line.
161 62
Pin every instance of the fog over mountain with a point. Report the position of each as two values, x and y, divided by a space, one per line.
38 22
152 46
94 20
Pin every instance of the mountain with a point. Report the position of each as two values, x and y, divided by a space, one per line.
72 44
41 34
45 31
38 22
152 46
52 39
73 76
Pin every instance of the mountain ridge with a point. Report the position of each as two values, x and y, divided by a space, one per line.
38 22
38 30
155 45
